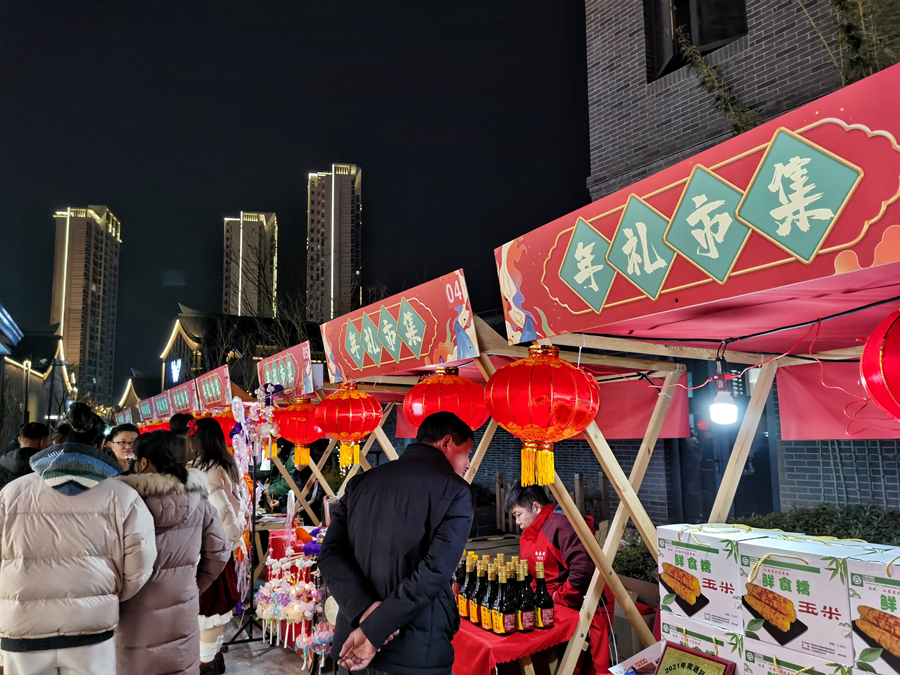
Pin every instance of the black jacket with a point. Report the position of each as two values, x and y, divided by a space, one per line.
397 536
15 464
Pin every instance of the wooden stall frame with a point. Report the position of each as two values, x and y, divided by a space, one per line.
382 439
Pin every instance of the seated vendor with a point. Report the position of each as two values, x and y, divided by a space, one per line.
278 487
548 537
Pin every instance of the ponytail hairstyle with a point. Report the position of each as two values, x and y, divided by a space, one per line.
207 447
80 425
159 448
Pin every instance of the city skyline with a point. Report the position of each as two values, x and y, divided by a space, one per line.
250 270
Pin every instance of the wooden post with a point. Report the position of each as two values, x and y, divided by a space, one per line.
620 520
482 449
293 486
623 488
350 474
602 562
498 490
728 488
385 444
316 469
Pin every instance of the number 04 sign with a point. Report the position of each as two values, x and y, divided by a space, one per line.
430 324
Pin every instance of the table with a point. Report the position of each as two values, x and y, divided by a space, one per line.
480 651
263 555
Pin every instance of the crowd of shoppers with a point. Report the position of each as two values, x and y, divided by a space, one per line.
114 555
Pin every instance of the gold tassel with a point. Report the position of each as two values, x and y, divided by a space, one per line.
301 455
356 453
546 473
529 455
346 456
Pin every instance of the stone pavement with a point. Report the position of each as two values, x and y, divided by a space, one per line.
260 658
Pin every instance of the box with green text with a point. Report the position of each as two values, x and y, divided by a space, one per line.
761 658
875 611
699 573
796 595
722 642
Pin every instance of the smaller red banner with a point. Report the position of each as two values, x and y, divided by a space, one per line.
214 389
125 416
292 369
183 398
161 407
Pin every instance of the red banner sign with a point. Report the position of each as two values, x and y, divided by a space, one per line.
183 398
162 409
125 416
292 369
808 195
214 389
427 325
145 409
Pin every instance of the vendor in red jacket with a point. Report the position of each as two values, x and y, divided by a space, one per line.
548 537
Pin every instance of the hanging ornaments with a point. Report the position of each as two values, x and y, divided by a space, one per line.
446 391
541 400
879 365
298 425
349 415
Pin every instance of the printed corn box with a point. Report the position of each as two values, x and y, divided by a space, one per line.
761 658
796 595
874 600
699 572
704 637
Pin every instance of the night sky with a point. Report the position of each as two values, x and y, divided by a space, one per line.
469 120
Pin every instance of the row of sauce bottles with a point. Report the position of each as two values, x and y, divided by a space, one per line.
497 595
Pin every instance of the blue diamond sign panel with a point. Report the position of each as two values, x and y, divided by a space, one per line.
387 334
638 250
797 194
353 345
584 267
370 339
704 228
412 328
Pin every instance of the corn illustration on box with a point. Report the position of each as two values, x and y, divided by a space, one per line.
795 592
761 658
699 571
874 599
717 641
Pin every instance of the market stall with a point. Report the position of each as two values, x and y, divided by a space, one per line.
777 249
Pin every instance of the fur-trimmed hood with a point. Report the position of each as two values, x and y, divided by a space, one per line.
150 484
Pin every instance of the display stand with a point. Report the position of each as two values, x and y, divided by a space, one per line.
249 619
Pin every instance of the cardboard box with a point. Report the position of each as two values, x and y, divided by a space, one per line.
644 662
761 658
705 561
721 642
875 611
796 595
627 642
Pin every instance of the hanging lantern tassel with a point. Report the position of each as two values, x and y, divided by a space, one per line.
537 463
301 455
349 455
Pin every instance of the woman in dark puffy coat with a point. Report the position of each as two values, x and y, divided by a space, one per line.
158 632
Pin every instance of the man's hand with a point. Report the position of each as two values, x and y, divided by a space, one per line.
357 652
365 615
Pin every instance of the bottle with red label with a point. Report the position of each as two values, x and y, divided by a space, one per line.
490 595
525 604
466 588
503 613
477 596
543 601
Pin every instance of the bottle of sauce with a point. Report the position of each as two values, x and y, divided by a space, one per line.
476 598
487 621
459 576
525 605
543 601
503 613
462 600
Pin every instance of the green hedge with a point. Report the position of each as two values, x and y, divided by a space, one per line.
857 521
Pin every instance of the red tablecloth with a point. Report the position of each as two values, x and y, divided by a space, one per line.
478 652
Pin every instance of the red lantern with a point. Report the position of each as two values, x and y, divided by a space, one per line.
446 391
298 425
226 422
349 415
879 365
541 399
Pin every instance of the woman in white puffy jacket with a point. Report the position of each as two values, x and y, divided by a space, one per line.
206 444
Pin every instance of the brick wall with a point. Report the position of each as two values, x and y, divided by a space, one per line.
637 129
571 457
839 471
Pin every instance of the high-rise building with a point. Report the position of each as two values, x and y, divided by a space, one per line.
334 242
85 296
251 265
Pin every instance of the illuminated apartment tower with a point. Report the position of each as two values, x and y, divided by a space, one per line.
334 242
251 265
85 296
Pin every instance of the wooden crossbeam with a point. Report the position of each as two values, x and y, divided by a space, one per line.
620 520
296 490
627 494
655 349
491 342
743 444
482 449
602 562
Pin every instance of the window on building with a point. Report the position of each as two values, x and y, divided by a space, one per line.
710 24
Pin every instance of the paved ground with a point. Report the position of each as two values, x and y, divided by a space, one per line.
259 658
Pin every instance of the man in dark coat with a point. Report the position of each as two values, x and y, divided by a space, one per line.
395 539
16 463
